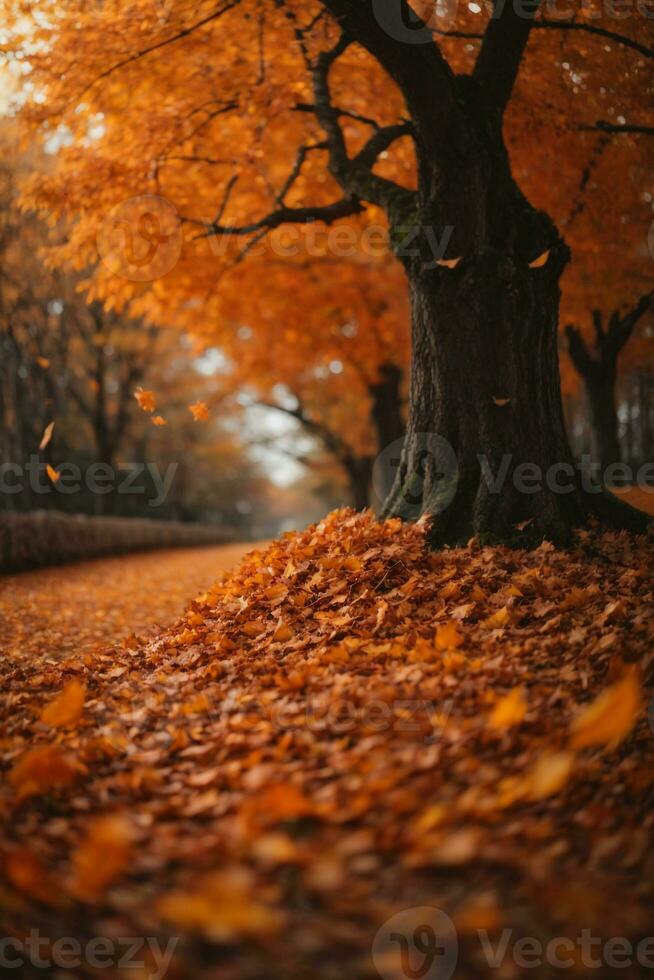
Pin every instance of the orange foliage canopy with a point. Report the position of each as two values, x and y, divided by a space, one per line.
205 108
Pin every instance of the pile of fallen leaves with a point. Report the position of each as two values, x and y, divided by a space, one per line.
345 726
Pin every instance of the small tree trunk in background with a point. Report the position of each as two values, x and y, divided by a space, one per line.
601 394
359 472
598 367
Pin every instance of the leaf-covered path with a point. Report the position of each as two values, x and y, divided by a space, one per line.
57 612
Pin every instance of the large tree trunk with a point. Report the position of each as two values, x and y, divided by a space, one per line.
486 452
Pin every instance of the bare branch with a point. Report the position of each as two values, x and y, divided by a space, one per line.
566 25
607 127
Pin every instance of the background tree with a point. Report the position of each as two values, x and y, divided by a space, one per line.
598 367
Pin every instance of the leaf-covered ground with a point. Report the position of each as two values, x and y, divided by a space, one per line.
344 727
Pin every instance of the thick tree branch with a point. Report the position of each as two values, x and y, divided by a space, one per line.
503 46
285 215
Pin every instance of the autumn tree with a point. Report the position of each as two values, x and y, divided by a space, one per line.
449 126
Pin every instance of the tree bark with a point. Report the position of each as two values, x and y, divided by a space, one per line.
486 452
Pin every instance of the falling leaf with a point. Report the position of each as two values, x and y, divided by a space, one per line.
539 262
43 362
102 856
449 263
501 401
146 399
47 436
199 411
509 711
52 473
158 420
67 707
610 717
521 525
41 769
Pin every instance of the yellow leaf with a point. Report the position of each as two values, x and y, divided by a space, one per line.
610 717
510 710
67 707
47 436
498 619
550 774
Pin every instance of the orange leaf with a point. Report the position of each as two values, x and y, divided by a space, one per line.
52 473
510 710
448 637
102 856
67 707
199 411
146 399
610 717
41 769
539 262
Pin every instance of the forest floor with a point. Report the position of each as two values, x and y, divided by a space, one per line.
348 758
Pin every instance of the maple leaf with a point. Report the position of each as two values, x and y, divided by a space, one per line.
146 399
509 711
610 717
66 709
199 411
